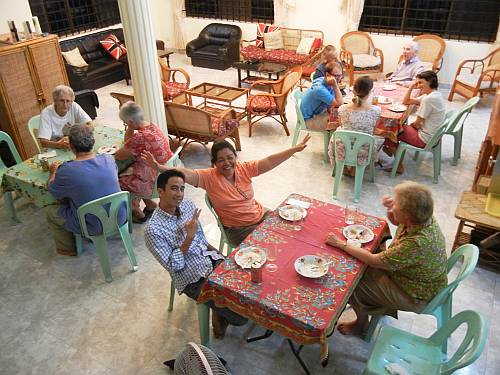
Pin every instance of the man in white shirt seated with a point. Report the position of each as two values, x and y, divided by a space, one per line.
57 118
175 238
407 69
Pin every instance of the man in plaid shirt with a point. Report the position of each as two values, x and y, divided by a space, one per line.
174 236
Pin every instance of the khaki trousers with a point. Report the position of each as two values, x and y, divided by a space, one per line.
377 294
64 239
318 122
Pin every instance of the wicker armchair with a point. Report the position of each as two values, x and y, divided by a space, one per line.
170 85
191 124
475 77
261 105
430 51
359 55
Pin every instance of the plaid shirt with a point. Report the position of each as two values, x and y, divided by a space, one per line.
164 235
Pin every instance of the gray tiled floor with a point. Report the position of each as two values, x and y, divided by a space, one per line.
58 316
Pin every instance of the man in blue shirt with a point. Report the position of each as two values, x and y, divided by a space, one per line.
79 181
323 94
175 238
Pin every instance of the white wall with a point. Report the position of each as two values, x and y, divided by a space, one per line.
17 10
326 16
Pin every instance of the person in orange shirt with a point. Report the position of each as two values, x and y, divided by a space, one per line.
229 186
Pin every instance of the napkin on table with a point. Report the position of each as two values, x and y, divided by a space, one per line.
299 203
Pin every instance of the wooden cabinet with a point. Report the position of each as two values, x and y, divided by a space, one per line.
29 71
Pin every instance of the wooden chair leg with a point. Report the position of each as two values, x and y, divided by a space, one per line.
283 122
249 120
236 135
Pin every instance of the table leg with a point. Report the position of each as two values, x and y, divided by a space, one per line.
239 78
168 60
8 202
459 231
296 353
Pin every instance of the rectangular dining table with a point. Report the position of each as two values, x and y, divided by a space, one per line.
302 309
30 181
390 124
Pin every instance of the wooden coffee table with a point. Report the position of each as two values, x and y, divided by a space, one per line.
261 68
217 97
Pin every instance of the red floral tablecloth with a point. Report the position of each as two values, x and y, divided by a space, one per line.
299 308
390 124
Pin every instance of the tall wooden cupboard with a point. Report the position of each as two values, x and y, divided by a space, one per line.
29 71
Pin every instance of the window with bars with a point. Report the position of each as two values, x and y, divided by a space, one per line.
468 20
232 10
66 17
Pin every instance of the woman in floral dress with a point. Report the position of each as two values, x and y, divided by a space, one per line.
140 178
360 116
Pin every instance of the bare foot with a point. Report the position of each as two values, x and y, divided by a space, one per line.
354 328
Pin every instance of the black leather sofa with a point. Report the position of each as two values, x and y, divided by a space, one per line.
217 46
103 69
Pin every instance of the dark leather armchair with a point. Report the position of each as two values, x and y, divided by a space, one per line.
217 46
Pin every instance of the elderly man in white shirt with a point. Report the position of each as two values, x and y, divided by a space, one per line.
54 118
408 69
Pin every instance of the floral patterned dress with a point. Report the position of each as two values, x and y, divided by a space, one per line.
360 121
139 178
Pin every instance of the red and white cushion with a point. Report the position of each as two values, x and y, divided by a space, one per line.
113 46
262 28
172 89
261 104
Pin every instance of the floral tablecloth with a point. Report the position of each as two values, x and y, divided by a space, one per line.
299 308
28 178
390 124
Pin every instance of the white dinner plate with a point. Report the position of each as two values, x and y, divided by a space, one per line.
250 256
384 100
389 87
292 212
311 266
358 233
107 150
397 107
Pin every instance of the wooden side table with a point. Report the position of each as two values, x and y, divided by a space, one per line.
471 213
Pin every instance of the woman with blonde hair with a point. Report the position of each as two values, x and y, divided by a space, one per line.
413 268
361 116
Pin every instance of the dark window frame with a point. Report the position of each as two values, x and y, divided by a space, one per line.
231 10
450 19
70 17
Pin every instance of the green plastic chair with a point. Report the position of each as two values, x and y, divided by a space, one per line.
456 127
441 305
7 195
223 238
420 355
301 125
33 126
110 227
352 142
433 146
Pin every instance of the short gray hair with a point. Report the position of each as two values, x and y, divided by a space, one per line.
131 111
415 201
81 137
414 46
62 89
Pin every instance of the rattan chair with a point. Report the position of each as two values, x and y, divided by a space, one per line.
430 51
359 55
475 77
173 82
272 104
191 124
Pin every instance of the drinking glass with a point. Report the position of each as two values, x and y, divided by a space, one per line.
272 255
350 213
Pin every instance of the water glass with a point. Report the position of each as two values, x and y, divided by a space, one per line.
351 211
271 255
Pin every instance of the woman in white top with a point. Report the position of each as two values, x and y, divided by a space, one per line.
361 116
430 113
63 112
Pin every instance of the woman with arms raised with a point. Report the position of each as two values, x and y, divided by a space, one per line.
229 186
410 272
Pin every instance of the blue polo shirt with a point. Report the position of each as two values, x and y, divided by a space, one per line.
317 98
